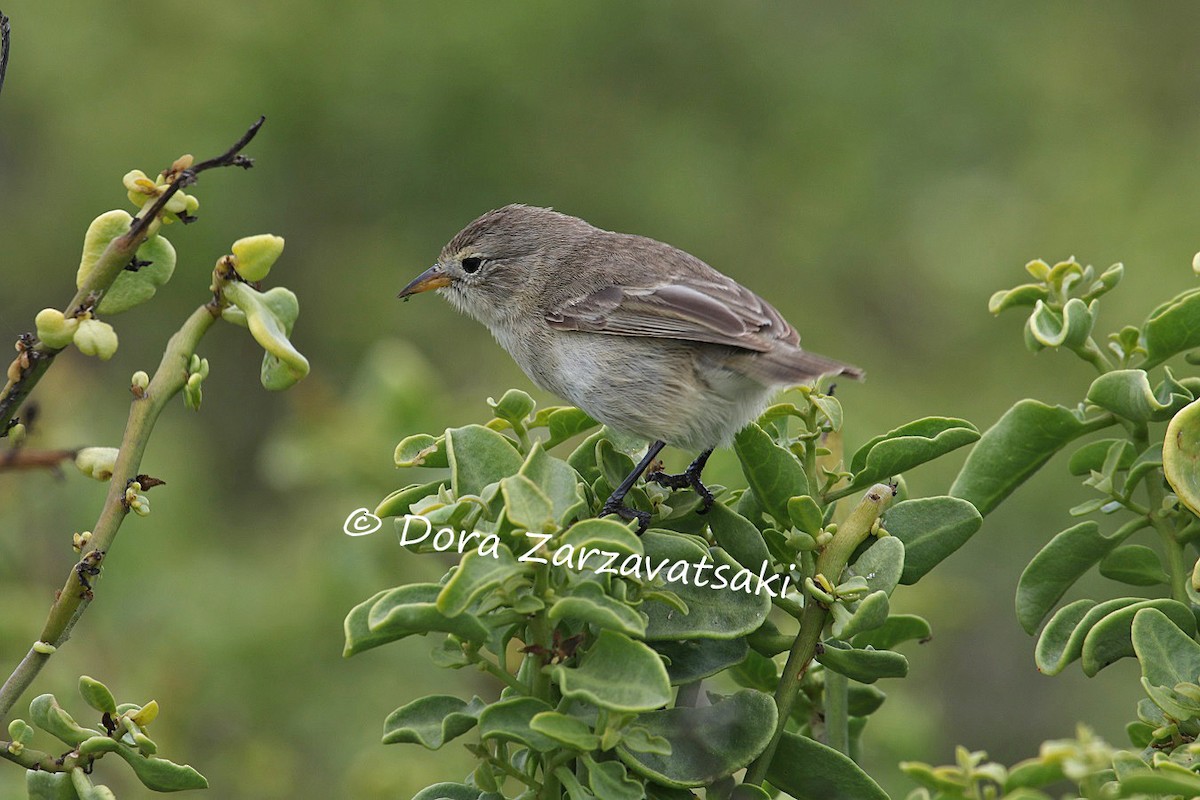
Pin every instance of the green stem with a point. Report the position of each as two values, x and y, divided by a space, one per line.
74 597
39 760
1173 549
830 563
1091 353
837 711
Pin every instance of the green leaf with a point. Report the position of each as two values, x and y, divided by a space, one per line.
707 743
52 718
583 457
1127 393
49 785
688 662
568 731
1091 457
1158 782
476 574
738 536
1027 294
565 423
864 666
931 528
514 406
603 535
1181 456
1134 564
431 721
1168 655
809 770
558 480
161 775
1056 567
1033 773
1068 327
714 611
1017 446
509 720
526 505
421 450
399 502
897 629
134 288
477 457
1172 328
1061 641
881 564
616 673
404 611
871 612
587 602
455 791
805 514
1109 639
97 695
611 781
270 317
773 473
908 446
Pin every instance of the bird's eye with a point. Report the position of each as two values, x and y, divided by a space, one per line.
471 264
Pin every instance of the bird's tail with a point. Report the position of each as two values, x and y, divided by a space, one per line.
790 366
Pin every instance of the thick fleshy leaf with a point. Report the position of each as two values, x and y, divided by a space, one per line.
130 288
931 528
47 714
865 666
1160 782
404 611
1056 567
525 504
908 446
1168 655
587 602
897 629
1017 446
566 422
49 786
477 573
161 775
509 720
1173 327
399 502
432 721
583 457
727 605
1109 639
1061 641
806 515
773 473
610 780
616 673
479 456
604 535
558 480
1134 564
738 536
569 731
1181 456
97 695
421 450
1127 393
514 406
691 661
869 613
270 317
881 564
707 743
1027 294
809 770
1068 327
455 791
1091 456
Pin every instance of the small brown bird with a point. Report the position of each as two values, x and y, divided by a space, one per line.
642 336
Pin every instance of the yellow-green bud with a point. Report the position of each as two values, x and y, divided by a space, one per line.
256 254
55 329
80 541
96 338
16 434
97 462
45 648
146 714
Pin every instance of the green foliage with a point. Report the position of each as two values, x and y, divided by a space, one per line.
602 640
1142 480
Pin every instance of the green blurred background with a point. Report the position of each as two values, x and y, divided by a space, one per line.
875 169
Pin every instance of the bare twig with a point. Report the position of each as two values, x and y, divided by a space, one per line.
5 33
35 359
34 459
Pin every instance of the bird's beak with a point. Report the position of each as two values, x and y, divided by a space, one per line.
432 278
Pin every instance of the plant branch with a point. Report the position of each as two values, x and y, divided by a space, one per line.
5 33
33 362
830 563
34 459
29 758
76 594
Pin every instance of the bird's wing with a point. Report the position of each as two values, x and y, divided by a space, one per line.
695 309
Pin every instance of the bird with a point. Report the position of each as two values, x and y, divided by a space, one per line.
644 337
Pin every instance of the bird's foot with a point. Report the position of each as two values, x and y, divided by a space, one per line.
689 478
615 505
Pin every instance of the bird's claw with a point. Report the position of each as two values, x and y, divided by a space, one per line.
625 512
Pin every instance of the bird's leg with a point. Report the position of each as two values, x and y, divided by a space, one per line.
615 504
689 477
